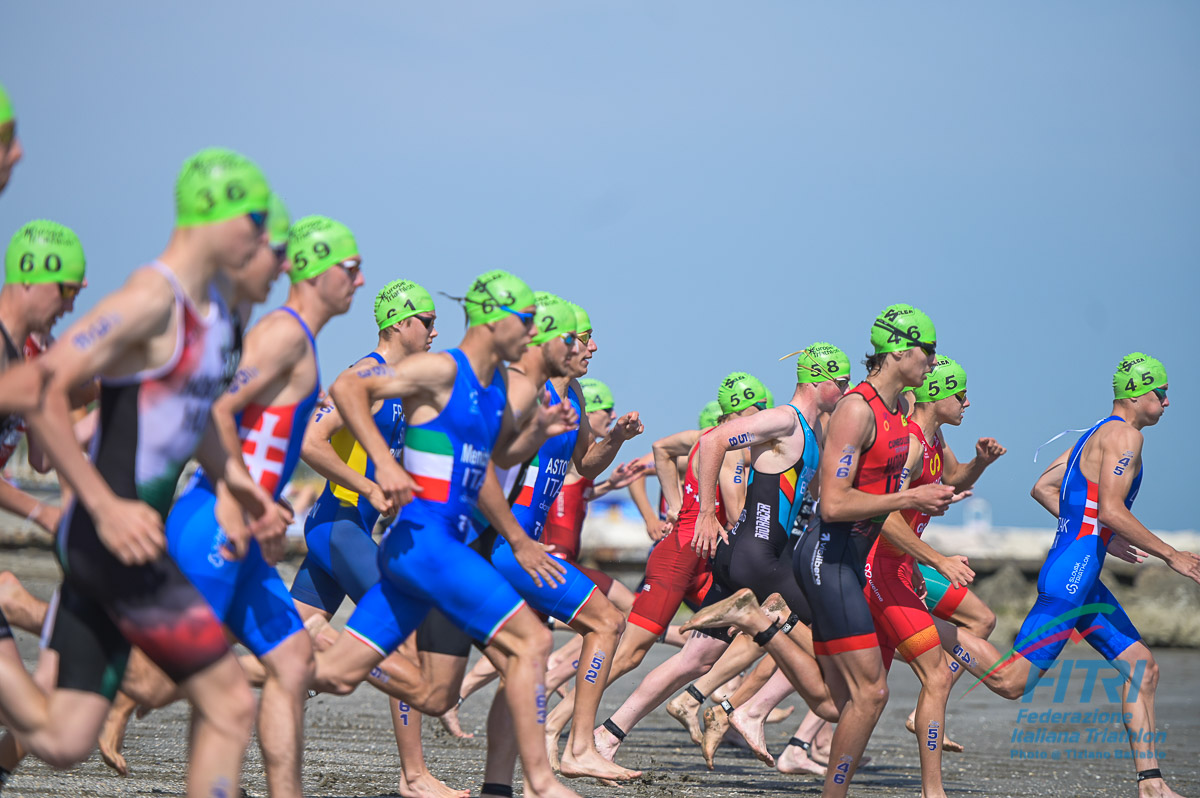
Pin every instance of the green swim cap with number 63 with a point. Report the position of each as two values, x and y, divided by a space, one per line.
495 295
901 327
554 316
596 395
1138 374
399 300
44 252
216 185
946 379
709 414
317 243
739 390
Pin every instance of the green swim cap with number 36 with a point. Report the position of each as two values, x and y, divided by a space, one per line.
739 390
44 252
1138 374
216 185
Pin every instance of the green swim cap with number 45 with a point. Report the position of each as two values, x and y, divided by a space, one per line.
901 327
554 316
44 252
1138 374
596 395
739 390
399 300
946 379
216 185
495 295
317 243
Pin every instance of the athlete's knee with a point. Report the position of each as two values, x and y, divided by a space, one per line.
939 680
230 710
611 622
295 673
984 625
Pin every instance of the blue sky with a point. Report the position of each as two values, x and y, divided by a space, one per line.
718 183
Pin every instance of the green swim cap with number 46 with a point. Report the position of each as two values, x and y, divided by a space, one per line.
1138 374
317 243
496 295
216 185
739 390
399 300
901 327
946 379
44 252
596 395
554 316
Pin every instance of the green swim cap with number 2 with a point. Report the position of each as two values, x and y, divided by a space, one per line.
216 185
739 390
1138 374
44 252
554 316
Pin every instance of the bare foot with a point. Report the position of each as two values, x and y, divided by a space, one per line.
947 744
426 786
686 710
775 608
779 714
552 750
450 722
606 743
549 787
795 759
112 736
733 611
716 723
754 733
1156 788
593 765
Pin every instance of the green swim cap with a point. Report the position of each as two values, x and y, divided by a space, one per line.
278 221
400 299
709 414
946 379
6 109
44 252
770 399
315 243
583 322
216 185
740 390
493 295
554 316
596 395
901 327
1138 374
821 361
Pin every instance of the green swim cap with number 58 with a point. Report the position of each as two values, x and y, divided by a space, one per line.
820 362
1138 374
216 185
44 252
739 390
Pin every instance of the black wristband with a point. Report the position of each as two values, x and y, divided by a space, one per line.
1152 773
803 745
790 623
503 790
762 638
614 729
696 694
728 707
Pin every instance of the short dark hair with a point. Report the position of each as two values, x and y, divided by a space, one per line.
874 362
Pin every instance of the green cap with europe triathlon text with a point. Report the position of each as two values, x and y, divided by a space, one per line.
44 252
216 185
709 414
400 299
317 243
946 379
554 316
739 390
596 395
494 295
901 327
821 361
6 109
1138 374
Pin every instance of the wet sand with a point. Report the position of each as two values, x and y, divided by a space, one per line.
351 750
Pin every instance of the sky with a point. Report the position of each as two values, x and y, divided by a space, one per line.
718 184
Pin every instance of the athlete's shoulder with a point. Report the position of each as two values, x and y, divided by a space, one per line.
146 292
280 334
1120 433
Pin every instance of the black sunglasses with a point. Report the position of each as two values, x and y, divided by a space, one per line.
426 320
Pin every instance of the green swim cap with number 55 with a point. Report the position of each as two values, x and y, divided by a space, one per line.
901 327
739 390
317 243
946 379
1138 374
44 252
216 185
494 296
399 300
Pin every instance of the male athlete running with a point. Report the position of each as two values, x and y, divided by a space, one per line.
10 145
165 346
1097 479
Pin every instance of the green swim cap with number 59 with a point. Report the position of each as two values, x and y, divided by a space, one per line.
739 390
216 185
44 252
1138 374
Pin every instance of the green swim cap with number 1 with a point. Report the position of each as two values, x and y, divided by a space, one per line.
400 299
495 295
44 252
1138 374
6 109
216 185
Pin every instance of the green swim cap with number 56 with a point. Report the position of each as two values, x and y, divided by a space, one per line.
1138 374
44 252
317 243
739 390
216 185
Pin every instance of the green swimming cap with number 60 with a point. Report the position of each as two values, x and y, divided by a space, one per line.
493 295
946 379
596 395
6 109
278 221
553 317
821 361
400 299
1138 374
215 185
44 252
739 390
901 327
316 243
709 414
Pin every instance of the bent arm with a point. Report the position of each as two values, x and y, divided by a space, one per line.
1120 461
318 452
1047 489
850 430
665 451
